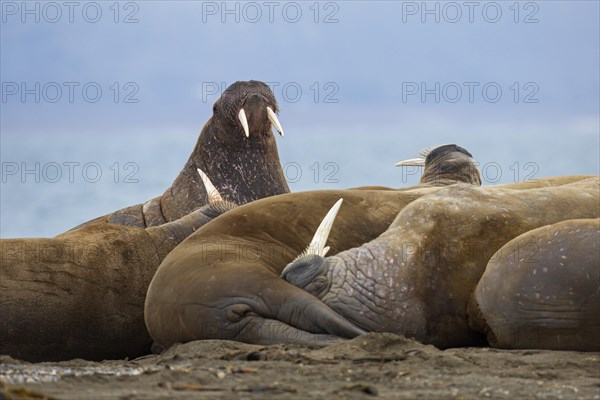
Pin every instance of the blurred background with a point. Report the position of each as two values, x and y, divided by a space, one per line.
102 102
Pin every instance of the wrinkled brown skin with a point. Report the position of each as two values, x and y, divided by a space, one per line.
541 290
223 281
81 295
417 277
216 277
242 169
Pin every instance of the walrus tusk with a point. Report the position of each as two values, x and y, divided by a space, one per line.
244 121
274 120
317 244
411 162
211 191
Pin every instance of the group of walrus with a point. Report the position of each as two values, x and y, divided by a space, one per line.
228 253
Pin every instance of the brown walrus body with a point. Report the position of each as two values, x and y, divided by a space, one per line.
223 282
242 167
541 290
81 295
416 278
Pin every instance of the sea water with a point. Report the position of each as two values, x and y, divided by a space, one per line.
51 183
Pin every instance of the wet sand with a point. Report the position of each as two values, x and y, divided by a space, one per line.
377 365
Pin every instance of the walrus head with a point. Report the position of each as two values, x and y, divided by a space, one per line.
248 107
445 165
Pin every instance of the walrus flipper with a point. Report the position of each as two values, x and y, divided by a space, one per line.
268 332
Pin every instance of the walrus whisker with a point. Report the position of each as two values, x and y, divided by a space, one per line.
317 244
418 161
273 118
244 121
211 191
425 152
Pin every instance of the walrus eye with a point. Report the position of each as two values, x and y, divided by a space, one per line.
215 108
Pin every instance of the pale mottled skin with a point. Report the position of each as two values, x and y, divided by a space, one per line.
541 290
416 278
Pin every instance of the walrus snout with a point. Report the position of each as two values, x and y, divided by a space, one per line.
251 106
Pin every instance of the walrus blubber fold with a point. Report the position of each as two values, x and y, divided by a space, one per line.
541 290
81 294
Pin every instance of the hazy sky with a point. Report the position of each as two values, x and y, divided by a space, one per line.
361 84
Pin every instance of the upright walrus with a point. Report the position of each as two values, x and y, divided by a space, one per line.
236 149
81 295
416 278
541 290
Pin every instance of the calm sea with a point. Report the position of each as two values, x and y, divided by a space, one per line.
53 183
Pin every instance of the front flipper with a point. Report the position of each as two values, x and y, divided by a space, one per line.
309 272
295 307
258 330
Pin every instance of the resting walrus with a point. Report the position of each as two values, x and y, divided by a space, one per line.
236 149
417 277
81 294
223 282
541 290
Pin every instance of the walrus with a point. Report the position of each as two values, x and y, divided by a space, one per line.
223 281
237 151
541 290
81 294
416 278
445 165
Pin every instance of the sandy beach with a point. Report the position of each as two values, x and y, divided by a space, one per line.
376 365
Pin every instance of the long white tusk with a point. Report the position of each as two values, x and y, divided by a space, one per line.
244 121
317 244
211 191
273 118
413 162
